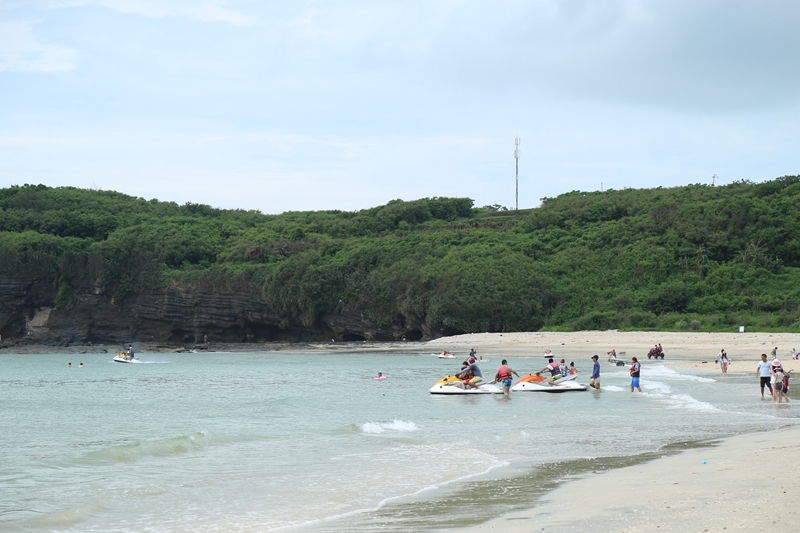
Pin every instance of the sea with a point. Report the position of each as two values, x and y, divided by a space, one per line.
252 442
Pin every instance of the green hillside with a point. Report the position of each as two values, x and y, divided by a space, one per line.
695 258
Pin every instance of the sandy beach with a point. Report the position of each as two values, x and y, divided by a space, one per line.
745 483
690 346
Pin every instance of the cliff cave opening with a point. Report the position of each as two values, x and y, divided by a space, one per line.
413 335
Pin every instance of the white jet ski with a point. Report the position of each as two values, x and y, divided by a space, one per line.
452 385
536 383
122 358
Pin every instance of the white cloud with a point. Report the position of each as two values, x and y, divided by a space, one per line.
21 51
203 10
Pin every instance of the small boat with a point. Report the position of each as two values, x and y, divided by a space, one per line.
536 383
123 358
452 385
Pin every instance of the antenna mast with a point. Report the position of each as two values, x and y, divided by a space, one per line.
516 162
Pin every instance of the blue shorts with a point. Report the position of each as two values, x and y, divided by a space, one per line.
635 383
506 383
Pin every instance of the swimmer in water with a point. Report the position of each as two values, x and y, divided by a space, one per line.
80 365
69 365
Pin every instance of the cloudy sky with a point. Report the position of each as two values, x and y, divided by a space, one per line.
298 105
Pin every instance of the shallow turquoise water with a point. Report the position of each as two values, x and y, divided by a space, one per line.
257 442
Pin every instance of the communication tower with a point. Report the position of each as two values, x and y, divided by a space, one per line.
516 162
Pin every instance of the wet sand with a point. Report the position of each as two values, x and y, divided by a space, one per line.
746 483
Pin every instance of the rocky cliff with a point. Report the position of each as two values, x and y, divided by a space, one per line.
174 314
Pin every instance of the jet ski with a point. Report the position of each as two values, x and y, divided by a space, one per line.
536 383
123 358
452 385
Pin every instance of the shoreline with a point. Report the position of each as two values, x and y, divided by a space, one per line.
686 346
740 483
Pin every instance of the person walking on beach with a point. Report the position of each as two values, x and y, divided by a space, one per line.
763 372
780 376
503 376
723 361
636 367
594 379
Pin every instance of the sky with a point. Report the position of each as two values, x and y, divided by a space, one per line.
306 105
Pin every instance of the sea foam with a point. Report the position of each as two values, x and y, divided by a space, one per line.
394 425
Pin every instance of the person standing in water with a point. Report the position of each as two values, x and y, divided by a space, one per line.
763 372
503 376
594 379
636 367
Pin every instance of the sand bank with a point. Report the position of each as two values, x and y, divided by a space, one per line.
746 483
583 344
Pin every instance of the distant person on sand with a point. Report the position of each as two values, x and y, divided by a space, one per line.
723 361
205 339
775 352
503 376
763 372
794 353
594 379
636 367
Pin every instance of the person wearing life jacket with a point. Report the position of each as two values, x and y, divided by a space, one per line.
552 368
636 367
563 369
572 370
464 372
503 376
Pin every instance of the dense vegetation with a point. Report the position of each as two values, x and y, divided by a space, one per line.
695 257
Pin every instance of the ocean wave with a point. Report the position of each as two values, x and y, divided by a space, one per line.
662 392
394 425
664 372
132 451
656 386
684 401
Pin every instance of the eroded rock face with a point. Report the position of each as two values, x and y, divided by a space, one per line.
175 314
